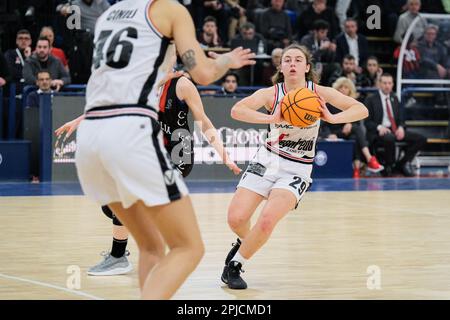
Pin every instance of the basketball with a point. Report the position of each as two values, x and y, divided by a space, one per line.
300 107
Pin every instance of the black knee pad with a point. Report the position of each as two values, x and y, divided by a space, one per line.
107 211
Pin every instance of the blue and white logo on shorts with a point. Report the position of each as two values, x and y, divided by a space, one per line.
321 158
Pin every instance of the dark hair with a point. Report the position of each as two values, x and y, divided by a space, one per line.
372 58
23 31
247 25
348 57
210 19
321 25
42 38
311 75
231 73
387 74
43 71
351 19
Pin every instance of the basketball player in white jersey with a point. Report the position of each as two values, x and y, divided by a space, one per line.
281 169
120 139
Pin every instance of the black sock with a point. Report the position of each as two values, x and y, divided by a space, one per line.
118 247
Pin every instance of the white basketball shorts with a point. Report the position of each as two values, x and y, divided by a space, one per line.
123 159
268 171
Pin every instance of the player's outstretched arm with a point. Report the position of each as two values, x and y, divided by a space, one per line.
352 110
175 22
69 127
187 91
246 110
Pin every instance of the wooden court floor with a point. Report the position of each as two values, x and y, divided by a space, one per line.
336 245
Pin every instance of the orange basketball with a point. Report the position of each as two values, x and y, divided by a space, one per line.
300 107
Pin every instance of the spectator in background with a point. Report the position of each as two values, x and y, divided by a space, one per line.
209 36
31 117
44 83
317 42
411 59
271 68
351 131
218 10
433 55
405 20
351 42
249 39
41 60
341 9
15 58
371 73
90 11
318 10
276 25
237 17
48 33
230 85
347 70
385 126
80 42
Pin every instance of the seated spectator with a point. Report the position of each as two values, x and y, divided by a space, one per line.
249 39
385 127
271 68
42 59
433 55
411 59
218 10
371 73
43 82
347 70
321 48
15 58
318 10
276 25
209 37
90 11
351 131
31 120
405 20
80 43
351 42
237 17
48 33
230 85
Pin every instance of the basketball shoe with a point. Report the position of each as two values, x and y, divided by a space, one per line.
235 280
234 249
111 266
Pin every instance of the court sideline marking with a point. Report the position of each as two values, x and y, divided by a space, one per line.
48 285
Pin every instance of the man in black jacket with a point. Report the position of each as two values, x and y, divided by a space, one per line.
352 42
385 126
42 60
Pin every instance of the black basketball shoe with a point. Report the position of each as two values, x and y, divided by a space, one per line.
234 249
234 276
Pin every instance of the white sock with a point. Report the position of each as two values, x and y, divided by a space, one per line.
237 257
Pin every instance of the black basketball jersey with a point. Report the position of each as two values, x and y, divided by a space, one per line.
173 118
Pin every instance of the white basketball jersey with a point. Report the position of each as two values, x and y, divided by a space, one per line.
128 52
289 142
